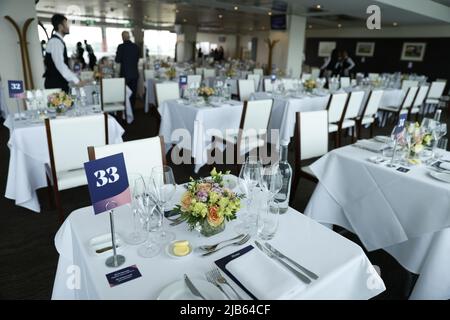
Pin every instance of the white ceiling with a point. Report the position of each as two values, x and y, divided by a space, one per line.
251 14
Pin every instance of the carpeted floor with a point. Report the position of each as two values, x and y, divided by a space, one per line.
28 256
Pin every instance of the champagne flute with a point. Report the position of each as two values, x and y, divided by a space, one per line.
162 188
152 220
138 193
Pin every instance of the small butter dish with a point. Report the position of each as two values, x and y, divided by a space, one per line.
179 249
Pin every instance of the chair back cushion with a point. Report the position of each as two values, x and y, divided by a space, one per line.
268 85
166 91
255 78
373 103
336 107
141 156
191 79
354 104
406 84
70 138
257 115
409 99
246 88
436 89
113 90
258 71
312 134
209 73
345 82
421 95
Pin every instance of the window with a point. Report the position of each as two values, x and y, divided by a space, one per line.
160 43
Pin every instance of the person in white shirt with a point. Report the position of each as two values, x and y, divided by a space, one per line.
58 73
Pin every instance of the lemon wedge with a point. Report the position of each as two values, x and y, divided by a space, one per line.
181 248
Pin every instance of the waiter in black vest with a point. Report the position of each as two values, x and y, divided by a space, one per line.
57 73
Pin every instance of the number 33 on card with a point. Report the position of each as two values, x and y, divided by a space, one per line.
108 182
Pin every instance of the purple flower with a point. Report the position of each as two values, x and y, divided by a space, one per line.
217 189
202 196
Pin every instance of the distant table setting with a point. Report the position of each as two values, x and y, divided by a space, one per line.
197 119
300 260
400 205
29 154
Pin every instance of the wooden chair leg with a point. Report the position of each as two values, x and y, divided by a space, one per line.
51 199
336 139
354 134
59 207
294 188
371 130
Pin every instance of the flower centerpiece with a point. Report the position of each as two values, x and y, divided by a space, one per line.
205 92
207 204
230 73
171 73
310 85
418 140
60 101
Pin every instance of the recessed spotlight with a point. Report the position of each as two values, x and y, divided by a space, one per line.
269 13
263 28
339 25
220 16
310 26
250 29
395 24
184 20
236 8
318 6
129 5
177 11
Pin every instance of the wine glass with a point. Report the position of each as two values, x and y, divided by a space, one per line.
162 188
138 193
152 221
249 180
271 182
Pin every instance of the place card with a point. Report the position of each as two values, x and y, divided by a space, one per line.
402 169
123 275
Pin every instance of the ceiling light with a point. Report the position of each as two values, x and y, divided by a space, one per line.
177 11
184 20
339 25
318 6
129 5
263 28
220 16
269 13
236 8
250 29
310 26
395 24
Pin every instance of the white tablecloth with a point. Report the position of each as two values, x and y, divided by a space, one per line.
128 114
343 269
197 121
406 214
28 156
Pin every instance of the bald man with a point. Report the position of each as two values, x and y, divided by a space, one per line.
128 56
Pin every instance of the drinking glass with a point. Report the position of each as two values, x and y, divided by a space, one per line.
271 182
268 220
249 180
162 188
152 220
138 193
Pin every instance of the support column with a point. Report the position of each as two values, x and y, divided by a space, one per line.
186 43
296 45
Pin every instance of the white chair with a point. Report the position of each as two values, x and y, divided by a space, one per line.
268 85
113 95
434 95
406 84
418 101
245 89
306 76
86 75
191 79
141 156
255 78
254 122
149 74
345 82
67 142
315 73
336 106
405 106
166 91
259 72
351 113
209 73
369 112
199 71
311 141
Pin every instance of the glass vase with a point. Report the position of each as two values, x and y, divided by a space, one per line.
207 230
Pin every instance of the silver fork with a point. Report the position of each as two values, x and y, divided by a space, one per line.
214 246
210 277
177 221
219 279
237 243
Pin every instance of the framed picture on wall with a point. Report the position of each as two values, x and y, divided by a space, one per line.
325 48
365 49
413 51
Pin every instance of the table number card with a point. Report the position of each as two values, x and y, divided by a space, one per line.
123 275
273 78
15 89
183 81
108 182
398 130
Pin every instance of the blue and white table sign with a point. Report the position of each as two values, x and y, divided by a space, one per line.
16 91
109 188
398 131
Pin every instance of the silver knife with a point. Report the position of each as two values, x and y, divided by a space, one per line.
298 274
279 254
192 288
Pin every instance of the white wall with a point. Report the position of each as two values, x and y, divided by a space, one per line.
10 62
229 46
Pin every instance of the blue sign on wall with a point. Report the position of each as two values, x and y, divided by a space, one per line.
108 183
15 89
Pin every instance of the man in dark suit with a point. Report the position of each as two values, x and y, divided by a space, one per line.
128 56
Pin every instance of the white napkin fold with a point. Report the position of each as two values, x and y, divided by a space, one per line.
445 166
371 145
265 278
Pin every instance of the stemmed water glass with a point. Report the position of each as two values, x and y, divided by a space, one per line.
152 221
439 132
162 188
249 180
138 194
